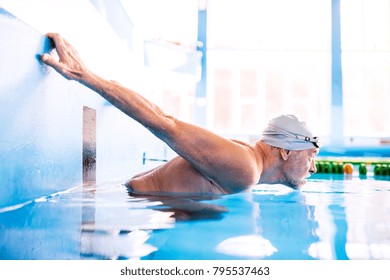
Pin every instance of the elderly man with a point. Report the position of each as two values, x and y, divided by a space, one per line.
206 163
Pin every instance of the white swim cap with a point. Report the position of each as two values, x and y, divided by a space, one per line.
287 132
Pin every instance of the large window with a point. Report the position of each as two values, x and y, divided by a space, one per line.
365 42
267 58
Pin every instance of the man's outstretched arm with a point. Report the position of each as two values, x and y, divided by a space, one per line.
222 161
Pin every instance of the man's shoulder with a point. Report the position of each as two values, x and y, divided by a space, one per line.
240 142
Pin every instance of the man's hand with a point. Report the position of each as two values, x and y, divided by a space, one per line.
70 64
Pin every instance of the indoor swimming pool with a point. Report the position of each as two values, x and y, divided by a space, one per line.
332 218
59 137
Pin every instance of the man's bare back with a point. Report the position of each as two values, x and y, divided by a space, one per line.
176 176
179 176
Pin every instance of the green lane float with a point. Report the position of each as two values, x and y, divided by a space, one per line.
376 167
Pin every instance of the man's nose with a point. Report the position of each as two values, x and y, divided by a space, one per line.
313 168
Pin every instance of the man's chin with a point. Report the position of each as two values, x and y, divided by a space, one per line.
300 185
296 185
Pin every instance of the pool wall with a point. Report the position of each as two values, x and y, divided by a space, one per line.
42 118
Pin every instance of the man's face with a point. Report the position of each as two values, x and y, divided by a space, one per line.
299 166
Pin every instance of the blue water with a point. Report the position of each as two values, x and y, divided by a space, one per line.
328 219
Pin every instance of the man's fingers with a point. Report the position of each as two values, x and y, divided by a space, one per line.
67 63
60 44
53 36
51 61
46 58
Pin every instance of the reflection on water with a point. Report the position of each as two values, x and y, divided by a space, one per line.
287 221
128 224
247 246
327 220
187 208
116 226
354 219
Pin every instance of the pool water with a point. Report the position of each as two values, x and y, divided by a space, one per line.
329 219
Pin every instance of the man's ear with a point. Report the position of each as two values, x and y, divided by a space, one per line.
284 154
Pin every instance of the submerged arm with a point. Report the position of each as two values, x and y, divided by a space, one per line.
226 163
